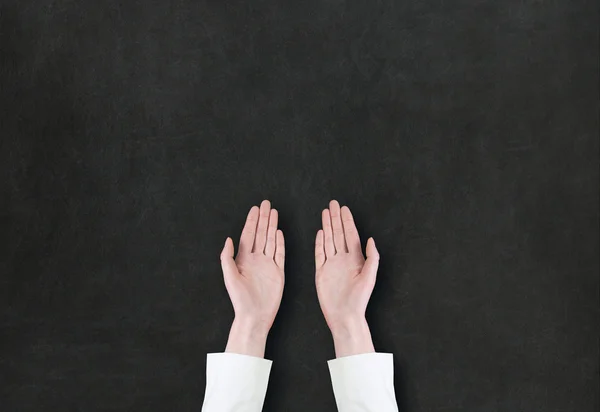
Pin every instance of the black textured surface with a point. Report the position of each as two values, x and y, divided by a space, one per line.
136 135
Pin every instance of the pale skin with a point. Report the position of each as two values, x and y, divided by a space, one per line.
344 280
255 279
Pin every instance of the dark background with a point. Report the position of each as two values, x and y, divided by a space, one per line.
135 136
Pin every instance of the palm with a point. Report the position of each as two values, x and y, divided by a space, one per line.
258 287
340 280
254 280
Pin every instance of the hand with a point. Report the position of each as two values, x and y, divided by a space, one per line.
345 280
254 280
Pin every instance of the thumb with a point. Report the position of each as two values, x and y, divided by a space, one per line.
372 262
227 262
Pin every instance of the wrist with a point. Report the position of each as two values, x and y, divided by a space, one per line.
247 337
352 337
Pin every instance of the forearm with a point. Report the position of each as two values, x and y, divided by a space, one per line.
239 376
352 337
247 337
361 379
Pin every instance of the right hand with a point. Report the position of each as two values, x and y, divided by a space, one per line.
345 280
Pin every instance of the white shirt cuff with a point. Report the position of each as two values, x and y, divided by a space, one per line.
235 382
364 382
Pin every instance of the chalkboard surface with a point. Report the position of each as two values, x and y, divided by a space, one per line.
135 136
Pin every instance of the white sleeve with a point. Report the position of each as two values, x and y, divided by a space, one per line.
235 382
364 383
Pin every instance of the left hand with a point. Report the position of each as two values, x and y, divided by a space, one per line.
345 280
254 280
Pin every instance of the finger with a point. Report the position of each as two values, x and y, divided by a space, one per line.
319 250
328 234
249 231
261 229
338 230
350 232
227 263
372 262
271 233
280 249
